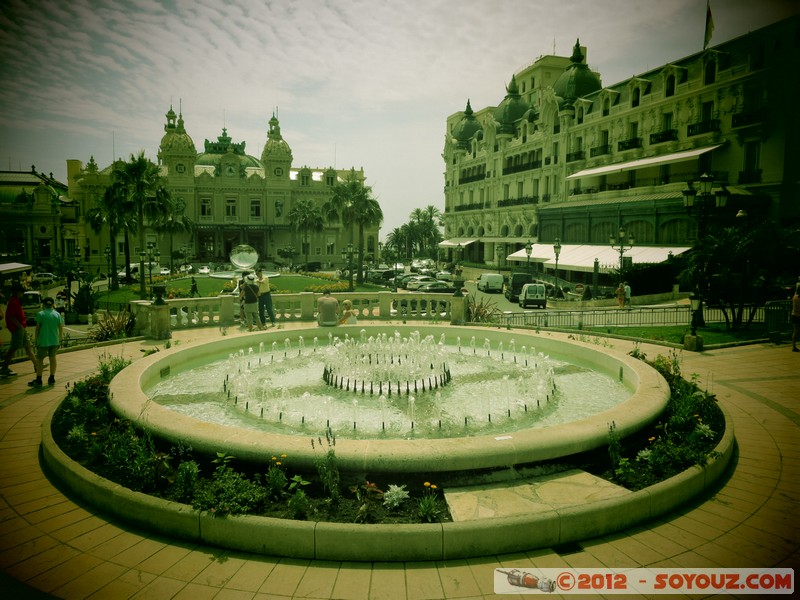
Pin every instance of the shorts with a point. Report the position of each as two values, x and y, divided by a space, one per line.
49 351
19 339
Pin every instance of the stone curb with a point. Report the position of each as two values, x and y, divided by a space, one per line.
395 543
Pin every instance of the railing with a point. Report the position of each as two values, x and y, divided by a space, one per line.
600 150
640 317
518 201
526 166
629 144
577 155
712 125
472 178
750 117
668 135
472 206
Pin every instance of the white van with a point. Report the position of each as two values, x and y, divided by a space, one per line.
490 282
533 294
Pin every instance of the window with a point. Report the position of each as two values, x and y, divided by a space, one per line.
205 209
505 191
555 152
752 150
304 179
635 97
230 208
606 108
330 246
255 209
580 115
633 130
330 180
669 88
666 121
710 74
520 188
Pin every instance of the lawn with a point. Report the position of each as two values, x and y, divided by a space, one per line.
713 333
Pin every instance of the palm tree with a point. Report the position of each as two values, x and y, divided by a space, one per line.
353 203
175 222
145 197
109 211
426 223
306 217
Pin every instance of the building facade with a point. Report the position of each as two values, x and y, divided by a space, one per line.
564 157
231 197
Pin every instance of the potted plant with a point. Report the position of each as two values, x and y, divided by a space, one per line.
84 301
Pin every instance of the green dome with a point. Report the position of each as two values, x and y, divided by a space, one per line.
214 151
276 146
577 81
511 109
176 139
467 128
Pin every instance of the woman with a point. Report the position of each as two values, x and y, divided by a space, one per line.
620 295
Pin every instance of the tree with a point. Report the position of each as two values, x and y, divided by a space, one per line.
145 197
174 222
110 212
306 217
352 203
425 224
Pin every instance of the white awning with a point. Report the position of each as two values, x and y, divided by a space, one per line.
13 267
644 162
581 257
455 242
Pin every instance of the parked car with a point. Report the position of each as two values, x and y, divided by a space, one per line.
164 272
187 268
42 279
490 282
204 270
415 282
441 287
444 276
31 304
533 294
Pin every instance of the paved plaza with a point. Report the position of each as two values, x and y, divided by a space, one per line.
53 546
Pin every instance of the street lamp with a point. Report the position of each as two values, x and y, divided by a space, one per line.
528 250
699 205
557 252
107 254
347 256
621 243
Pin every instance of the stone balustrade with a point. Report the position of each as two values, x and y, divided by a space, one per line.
157 321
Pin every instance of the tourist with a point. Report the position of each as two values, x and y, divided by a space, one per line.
250 294
264 299
620 293
349 314
795 317
327 310
16 324
194 292
627 289
49 332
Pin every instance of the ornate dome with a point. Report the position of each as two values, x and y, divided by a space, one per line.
276 146
467 128
577 81
511 109
176 139
214 151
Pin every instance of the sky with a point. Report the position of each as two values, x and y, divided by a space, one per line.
355 83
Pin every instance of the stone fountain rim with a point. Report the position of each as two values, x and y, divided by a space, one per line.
451 455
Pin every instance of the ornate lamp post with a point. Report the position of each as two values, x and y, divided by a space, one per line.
699 205
621 243
347 256
528 250
557 252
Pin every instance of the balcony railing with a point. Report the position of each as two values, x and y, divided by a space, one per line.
472 206
668 135
600 150
710 126
518 201
629 144
753 176
472 178
577 155
748 117
526 166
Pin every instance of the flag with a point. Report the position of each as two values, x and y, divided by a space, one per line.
709 25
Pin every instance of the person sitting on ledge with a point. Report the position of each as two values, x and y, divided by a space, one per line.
327 310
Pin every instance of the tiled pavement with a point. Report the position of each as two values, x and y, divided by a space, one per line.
51 546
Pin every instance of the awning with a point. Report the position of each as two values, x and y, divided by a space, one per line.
13 267
455 242
644 162
581 257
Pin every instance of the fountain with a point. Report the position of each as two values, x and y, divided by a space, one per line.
394 399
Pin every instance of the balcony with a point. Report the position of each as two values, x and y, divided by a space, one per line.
751 176
518 201
464 207
629 144
748 117
668 135
526 166
710 126
577 155
600 150
472 178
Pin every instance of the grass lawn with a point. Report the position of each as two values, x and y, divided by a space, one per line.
714 333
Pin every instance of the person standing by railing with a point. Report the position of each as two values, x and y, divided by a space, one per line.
795 317
264 299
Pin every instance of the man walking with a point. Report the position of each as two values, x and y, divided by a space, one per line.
16 324
49 331
264 299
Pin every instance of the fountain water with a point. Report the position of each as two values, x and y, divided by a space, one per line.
500 407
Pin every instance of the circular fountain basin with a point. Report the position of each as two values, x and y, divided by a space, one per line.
493 448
